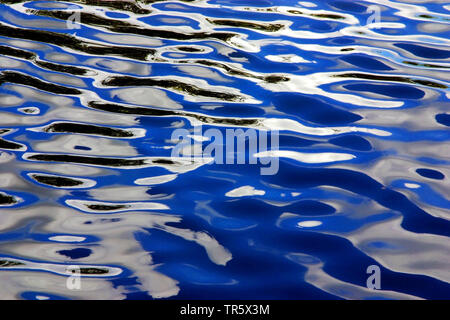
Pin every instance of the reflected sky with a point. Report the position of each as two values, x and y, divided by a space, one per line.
86 177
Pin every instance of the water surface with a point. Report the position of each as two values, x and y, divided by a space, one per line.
91 92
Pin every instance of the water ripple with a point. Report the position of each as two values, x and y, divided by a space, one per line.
92 90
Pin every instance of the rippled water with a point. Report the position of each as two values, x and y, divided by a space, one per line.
87 111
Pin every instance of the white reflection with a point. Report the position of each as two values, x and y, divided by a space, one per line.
309 224
320 157
155 180
245 191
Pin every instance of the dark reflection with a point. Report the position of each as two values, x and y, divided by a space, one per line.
8 51
295 11
317 15
425 65
327 16
163 161
118 26
69 41
62 68
275 79
3 131
19 78
170 84
7 199
131 6
91 270
103 220
190 49
269 27
18 53
104 207
56 181
9 145
235 72
30 110
9 263
108 162
110 107
68 127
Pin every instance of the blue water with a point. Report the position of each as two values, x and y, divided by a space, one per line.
357 89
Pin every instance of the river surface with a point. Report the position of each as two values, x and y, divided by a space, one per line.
94 206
